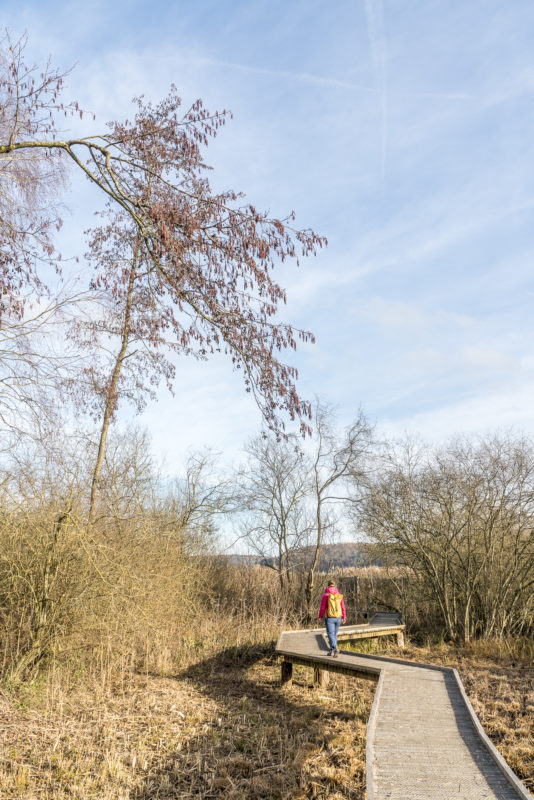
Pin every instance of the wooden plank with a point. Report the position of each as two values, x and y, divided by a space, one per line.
424 740
369 633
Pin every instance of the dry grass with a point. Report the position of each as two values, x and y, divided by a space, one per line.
222 728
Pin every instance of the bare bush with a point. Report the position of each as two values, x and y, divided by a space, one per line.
126 586
458 524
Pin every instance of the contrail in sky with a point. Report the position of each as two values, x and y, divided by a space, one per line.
317 80
377 42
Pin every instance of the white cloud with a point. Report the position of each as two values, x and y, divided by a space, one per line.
487 359
483 413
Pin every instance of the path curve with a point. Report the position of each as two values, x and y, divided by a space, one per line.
424 741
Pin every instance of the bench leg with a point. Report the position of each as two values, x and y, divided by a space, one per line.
287 673
320 677
400 639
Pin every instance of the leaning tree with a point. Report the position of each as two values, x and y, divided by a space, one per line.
180 263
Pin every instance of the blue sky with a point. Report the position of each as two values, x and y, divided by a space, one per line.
404 132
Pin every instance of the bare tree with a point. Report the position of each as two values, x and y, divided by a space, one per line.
295 496
30 179
198 500
335 459
274 490
459 522
36 364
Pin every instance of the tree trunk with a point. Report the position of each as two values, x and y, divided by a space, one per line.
111 396
310 580
40 633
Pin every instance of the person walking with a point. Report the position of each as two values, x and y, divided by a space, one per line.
333 610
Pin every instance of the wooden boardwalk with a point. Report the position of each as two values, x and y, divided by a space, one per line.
424 741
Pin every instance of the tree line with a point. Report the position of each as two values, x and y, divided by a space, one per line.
451 525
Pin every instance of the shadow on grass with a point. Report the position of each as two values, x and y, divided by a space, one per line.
264 742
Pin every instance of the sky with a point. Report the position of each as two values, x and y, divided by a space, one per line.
404 132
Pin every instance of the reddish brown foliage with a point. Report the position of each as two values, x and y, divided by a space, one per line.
203 272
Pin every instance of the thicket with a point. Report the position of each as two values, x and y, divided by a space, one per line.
119 588
455 525
141 586
138 585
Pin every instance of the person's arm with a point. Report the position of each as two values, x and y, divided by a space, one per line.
343 615
323 606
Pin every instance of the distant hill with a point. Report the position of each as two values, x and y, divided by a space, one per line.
333 556
238 560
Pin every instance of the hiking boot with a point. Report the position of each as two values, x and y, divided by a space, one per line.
330 653
335 653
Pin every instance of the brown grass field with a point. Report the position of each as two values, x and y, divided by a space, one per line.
223 728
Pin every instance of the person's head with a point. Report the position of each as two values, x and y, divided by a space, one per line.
331 583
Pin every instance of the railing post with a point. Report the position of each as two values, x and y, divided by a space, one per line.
287 673
400 639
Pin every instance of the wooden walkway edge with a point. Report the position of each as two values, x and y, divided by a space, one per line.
424 740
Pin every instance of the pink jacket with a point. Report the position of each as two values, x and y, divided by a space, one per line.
324 601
